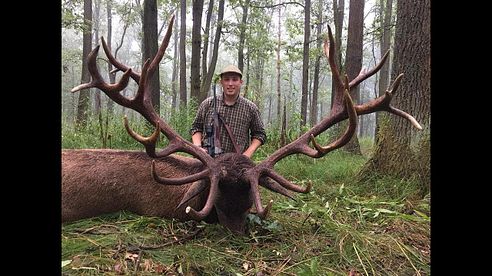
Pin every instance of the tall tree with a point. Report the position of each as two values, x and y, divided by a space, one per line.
305 61
96 25
109 39
206 37
150 46
338 14
314 101
386 8
196 43
129 16
242 34
174 78
183 101
353 58
83 103
400 151
207 79
279 43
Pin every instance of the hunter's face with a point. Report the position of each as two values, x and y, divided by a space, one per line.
231 84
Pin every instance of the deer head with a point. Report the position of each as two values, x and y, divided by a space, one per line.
232 180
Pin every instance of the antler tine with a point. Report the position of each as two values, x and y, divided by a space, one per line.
98 81
178 181
287 184
349 132
382 103
211 199
253 178
155 62
119 66
329 49
162 49
363 75
148 142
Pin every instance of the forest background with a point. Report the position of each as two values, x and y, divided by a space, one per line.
278 46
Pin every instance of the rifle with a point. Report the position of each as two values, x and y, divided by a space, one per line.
212 130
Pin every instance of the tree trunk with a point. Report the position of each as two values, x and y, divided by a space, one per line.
196 43
283 129
248 61
242 36
338 11
95 21
182 58
353 59
385 45
207 80
206 39
109 40
83 103
279 41
401 151
174 78
150 46
305 61
314 101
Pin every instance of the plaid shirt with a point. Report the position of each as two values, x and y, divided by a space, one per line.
243 118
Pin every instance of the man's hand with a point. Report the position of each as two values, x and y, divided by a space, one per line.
255 144
197 141
248 154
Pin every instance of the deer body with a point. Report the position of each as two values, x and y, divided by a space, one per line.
96 182
102 181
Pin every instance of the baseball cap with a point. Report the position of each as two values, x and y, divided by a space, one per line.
231 69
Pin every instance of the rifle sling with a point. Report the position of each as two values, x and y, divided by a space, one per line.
231 135
216 131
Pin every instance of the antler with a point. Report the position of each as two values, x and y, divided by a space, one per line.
142 103
343 108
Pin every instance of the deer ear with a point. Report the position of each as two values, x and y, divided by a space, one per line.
195 189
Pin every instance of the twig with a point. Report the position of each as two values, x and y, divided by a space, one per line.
137 263
302 224
94 228
418 273
360 260
284 263
222 253
276 5
151 247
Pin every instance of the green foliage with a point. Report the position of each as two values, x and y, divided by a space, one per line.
309 270
128 12
182 120
72 14
90 137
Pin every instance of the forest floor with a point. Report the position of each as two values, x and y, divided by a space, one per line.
342 227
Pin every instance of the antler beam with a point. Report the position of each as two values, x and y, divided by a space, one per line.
343 108
142 103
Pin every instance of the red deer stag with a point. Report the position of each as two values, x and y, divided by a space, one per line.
221 189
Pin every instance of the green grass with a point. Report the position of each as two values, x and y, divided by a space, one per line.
377 227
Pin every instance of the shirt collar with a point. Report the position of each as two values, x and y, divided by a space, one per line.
235 102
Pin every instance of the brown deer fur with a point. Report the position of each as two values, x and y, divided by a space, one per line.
102 181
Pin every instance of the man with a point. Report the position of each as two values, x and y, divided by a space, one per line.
241 116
